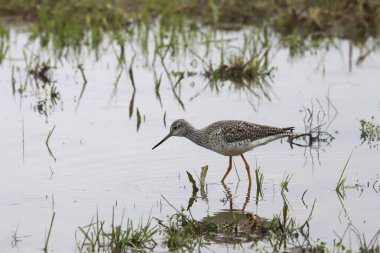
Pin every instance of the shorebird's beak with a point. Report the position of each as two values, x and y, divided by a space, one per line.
164 139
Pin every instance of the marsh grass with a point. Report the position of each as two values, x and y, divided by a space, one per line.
285 183
202 179
370 245
84 85
132 102
46 246
4 42
138 116
41 72
259 184
157 82
366 245
370 132
340 185
118 238
196 188
194 192
192 181
182 232
74 23
301 26
172 28
35 80
239 69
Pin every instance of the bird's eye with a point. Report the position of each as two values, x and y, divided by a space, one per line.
175 128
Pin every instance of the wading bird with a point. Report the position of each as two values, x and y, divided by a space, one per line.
229 137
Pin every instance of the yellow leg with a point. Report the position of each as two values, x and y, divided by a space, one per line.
228 170
247 168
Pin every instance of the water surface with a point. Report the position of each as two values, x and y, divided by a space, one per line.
102 160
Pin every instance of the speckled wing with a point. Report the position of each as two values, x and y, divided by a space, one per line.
235 131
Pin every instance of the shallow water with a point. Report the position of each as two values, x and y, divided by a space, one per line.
103 161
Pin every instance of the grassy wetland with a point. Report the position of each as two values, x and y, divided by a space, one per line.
88 87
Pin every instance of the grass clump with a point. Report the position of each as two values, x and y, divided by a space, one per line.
119 238
370 132
365 244
41 72
132 237
285 183
340 185
259 184
300 24
183 232
239 69
4 42
36 81
70 23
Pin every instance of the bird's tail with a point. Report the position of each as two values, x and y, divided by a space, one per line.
288 129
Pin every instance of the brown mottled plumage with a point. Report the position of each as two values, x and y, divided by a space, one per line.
234 130
229 137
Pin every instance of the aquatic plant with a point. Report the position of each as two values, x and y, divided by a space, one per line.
119 238
182 232
370 132
340 186
46 246
301 26
259 183
4 42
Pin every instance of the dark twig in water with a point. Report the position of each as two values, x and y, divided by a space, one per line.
306 223
174 85
167 201
157 82
47 143
138 115
302 198
81 69
51 172
115 86
164 119
131 77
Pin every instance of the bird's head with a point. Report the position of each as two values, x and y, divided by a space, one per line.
178 128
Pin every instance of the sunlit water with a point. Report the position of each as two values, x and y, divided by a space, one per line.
102 161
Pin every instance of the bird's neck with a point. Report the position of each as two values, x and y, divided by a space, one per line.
196 136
